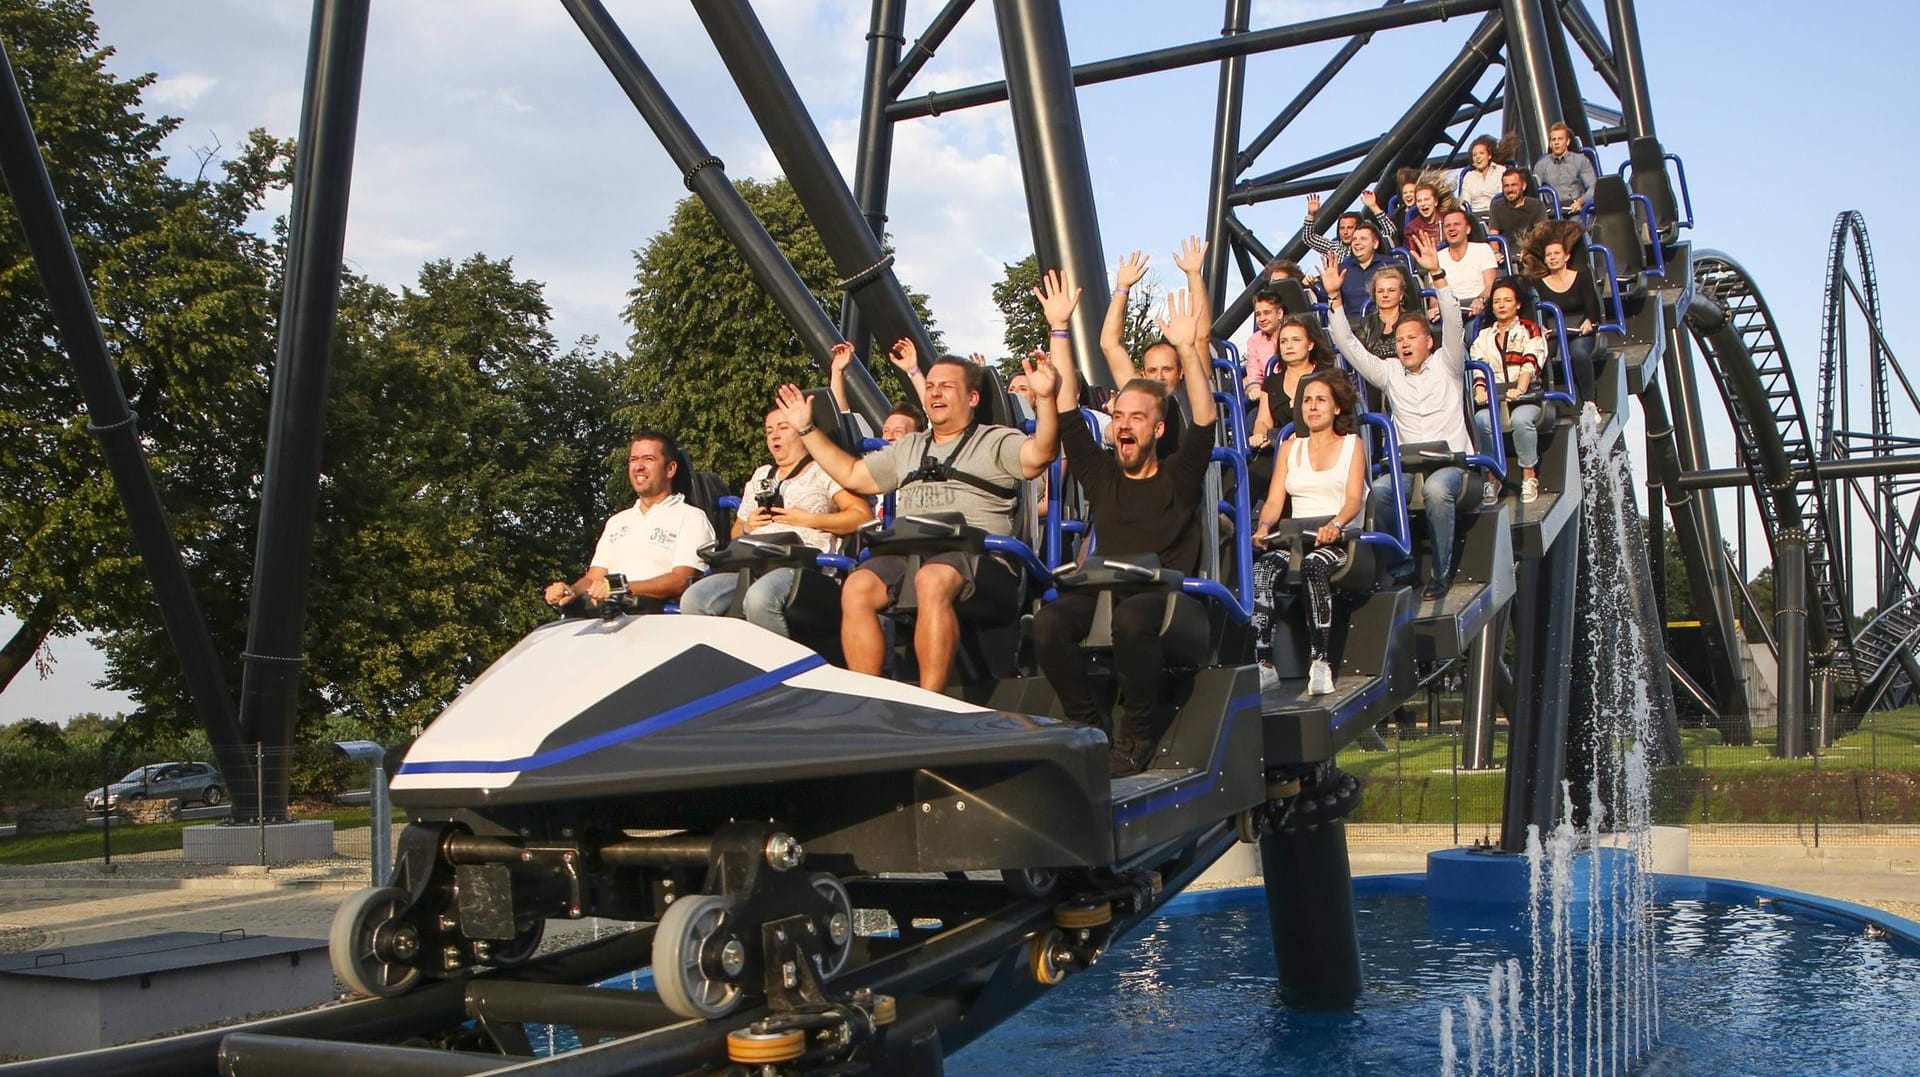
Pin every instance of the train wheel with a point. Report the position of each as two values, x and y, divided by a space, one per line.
686 985
839 941
371 946
750 1048
1041 959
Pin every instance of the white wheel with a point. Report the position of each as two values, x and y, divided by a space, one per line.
679 975
370 946
837 947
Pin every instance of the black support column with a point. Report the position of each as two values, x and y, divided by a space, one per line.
705 175
1636 104
1530 80
866 270
1543 660
296 423
1790 630
873 160
1053 163
1309 885
1226 147
117 427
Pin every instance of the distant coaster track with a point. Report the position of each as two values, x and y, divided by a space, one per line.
1775 442
1884 660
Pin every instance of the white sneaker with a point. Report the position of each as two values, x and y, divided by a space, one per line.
1269 677
1490 495
1530 490
1319 678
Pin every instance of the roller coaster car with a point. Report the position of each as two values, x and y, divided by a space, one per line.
723 781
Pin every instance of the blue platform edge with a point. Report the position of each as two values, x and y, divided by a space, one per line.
1903 933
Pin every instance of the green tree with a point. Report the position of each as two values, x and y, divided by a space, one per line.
1026 327
1761 588
103 156
709 347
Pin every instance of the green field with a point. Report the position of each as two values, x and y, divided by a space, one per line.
150 838
1870 776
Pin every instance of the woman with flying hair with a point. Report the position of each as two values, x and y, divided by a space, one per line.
1555 257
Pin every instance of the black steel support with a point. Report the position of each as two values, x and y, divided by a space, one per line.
1226 146
1698 536
1305 97
1543 659
873 160
1859 467
1572 107
1437 102
1309 884
1579 23
705 175
297 419
1053 162
924 46
116 425
1635 102
1476 706
851 241
1790 628
1309 32
1531 88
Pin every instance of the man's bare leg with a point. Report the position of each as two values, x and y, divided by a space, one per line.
862 597
936 628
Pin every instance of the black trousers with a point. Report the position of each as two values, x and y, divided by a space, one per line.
1139 660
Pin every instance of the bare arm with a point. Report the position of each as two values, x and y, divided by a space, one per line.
668 585
906 359
1178 326
1125 276
845 470
1453 336
1048 376
837 378
850 510
1191 258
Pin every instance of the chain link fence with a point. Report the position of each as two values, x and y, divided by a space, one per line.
1863 788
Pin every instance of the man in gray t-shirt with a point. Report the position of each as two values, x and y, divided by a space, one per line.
953 466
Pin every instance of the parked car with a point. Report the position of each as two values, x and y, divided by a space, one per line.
163 781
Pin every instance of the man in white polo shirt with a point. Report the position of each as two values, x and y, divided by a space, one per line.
655 544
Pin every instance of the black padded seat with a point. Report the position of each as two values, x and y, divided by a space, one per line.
1615 228
1647 171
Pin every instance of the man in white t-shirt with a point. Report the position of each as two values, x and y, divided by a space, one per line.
655 544
1470 266
791 495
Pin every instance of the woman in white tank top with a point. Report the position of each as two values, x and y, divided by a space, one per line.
1321 474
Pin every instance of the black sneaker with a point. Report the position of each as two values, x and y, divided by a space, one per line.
1435 589
1128 755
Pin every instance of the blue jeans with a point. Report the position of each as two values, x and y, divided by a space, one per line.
1526 432
1441 491
764 605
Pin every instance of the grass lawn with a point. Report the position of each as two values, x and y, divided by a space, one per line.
1869 776
152 837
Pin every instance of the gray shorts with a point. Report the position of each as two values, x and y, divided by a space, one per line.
892 570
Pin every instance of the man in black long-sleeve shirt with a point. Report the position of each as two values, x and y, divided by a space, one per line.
1140 504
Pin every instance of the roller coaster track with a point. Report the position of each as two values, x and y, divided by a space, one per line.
1884 650
1775 442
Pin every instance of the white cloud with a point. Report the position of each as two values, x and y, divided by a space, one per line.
182 91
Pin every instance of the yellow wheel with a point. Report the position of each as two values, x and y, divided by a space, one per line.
884 1011
750 1048
1077 915
1040 958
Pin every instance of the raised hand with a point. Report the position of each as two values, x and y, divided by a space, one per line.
1042 376
1057 300
841 357
1330 277
904 355
1188 257
1425 252
1370 200
1130 270
794 406
1178 324
1313 205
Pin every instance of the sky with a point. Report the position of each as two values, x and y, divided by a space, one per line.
491 126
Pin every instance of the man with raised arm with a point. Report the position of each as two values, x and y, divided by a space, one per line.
1161 360
1337 249
1427 393
1142 505
955 465
655 544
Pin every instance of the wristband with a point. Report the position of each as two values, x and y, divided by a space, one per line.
1058 334
808 429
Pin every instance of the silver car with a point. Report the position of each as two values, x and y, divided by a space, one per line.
163 781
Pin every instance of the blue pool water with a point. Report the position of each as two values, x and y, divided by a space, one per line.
1744 990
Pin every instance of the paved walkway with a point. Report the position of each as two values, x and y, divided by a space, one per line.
54 905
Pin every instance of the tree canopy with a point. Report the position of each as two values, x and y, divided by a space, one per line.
1026 326
709 347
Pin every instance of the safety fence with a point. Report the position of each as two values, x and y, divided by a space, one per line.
1864 787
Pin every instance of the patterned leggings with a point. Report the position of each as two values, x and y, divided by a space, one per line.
1317 569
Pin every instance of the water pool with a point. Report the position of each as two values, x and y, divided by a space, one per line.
1744 990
